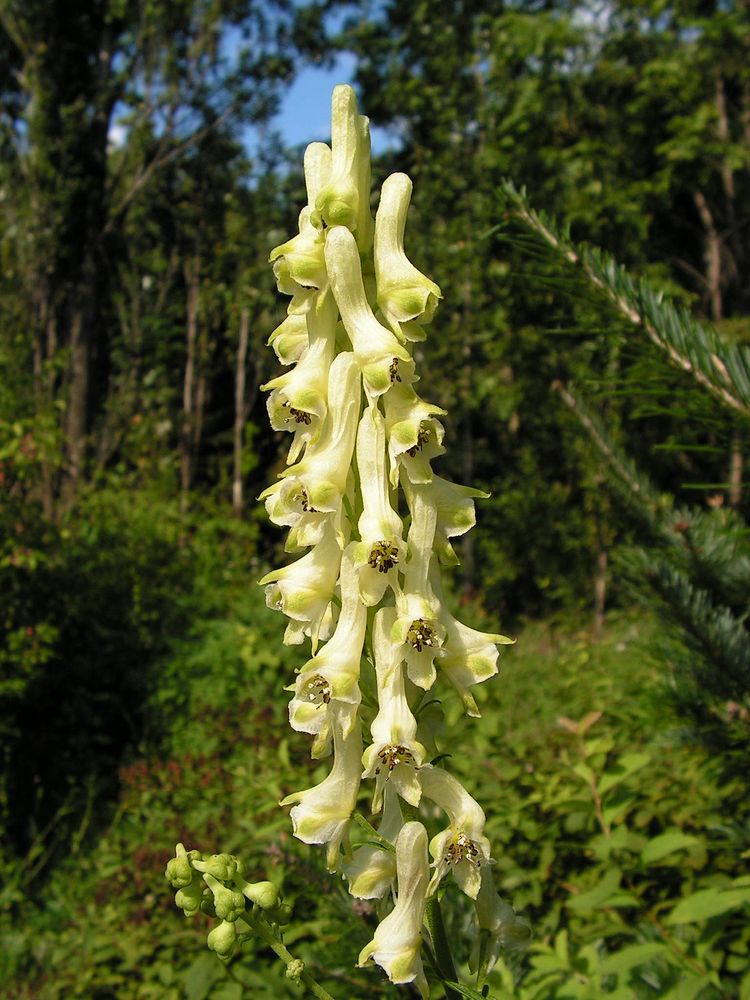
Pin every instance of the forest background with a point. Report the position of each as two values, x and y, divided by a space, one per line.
142 185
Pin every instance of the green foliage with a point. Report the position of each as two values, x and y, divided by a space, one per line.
625 847
616 837
694 570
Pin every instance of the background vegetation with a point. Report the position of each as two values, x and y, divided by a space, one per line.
140 676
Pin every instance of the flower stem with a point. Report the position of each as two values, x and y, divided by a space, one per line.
273 940
443 956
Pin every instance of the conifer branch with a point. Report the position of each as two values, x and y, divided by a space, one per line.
722 369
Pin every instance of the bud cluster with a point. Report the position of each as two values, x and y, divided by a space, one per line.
375 524
214 884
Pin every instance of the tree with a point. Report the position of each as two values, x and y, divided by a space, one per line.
169 76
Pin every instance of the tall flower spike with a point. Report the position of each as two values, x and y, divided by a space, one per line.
339 496
406 297
398 939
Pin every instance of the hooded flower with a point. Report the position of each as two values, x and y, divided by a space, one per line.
310 493
321 814
290 340
371 871
417 629
469 656
299 264
406 297
343 201
328 684
394 756
298 397
381 550
455 512
304 589
415 437
462 847
398 939
380 356
499 927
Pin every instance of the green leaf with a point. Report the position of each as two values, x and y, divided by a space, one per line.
628 764
201 976
467 991
667 843
599 895
632 956
708 903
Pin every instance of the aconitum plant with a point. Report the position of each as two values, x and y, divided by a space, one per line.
374 524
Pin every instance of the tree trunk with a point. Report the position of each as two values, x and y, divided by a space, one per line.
600 589
711 255
736 463
239 412
192 283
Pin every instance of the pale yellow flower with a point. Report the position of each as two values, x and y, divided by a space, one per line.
406 297
380 356
461 848
321 814
395 755
397 942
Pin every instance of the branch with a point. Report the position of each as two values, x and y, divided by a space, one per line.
722 369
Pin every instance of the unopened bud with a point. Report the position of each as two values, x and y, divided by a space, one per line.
222 939
189 898
229 903
222 866
179 871
294 970
265 894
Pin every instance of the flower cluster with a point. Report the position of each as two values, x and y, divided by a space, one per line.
214 884
374 524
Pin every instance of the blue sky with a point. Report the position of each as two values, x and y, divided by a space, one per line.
305 114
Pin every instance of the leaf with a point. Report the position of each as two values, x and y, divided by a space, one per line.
599 895
228 991
667 843
201 976
588 721
372 833
707 903
628 764
632 956
467 991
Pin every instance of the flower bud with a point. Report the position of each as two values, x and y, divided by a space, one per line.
222 939
179 871
189 898
223 867
294 970
264 894
228 903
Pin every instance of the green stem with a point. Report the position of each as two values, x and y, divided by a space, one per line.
266 934
443 956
